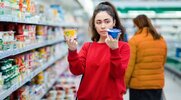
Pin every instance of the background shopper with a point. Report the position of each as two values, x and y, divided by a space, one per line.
145 73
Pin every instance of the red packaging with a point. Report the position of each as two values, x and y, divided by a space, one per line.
20 37
10 27
20 29
1 27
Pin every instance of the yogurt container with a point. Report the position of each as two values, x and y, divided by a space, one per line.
70 33
113 32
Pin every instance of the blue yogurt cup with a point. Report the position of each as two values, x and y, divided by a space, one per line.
113 32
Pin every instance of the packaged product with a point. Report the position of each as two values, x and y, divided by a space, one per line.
71 33
113 32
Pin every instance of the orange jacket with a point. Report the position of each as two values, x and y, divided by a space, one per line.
146 65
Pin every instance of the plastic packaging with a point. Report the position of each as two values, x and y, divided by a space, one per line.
114 33
70 33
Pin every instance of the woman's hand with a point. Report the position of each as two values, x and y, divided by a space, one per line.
72 44
112 43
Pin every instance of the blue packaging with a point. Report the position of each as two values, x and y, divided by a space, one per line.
113 32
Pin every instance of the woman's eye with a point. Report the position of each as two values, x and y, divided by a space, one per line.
98 22
107 21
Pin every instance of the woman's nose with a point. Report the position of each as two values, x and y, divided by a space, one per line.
102 25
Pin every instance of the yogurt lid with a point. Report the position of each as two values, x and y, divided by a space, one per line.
113 30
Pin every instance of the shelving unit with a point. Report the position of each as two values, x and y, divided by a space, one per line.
14 52
10 19
173 70
49 15
175 58
63 24
51 84
8 53
7 92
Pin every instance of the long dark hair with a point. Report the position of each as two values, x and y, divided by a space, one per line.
142 21
110 9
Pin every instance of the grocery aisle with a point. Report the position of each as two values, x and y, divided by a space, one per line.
33 52
172 88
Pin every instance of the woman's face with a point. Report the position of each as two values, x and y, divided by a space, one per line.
103 21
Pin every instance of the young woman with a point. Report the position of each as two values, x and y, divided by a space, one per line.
102 62
145 73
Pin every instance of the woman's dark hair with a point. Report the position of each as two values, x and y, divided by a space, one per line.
110 9
142 21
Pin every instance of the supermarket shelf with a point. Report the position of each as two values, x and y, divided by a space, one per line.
12 19
166 18
13 88
8 53
65 24
175 58
62 24
41 96
57 77
174 71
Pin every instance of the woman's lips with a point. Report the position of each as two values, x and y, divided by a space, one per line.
103 31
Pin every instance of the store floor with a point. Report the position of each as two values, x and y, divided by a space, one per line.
172 87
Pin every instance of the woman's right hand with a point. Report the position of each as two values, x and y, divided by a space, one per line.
72 44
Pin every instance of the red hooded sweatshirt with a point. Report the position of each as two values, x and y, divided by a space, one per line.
103 70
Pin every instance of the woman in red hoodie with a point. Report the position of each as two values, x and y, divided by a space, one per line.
103 61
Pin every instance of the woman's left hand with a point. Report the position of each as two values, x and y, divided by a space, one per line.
112 43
